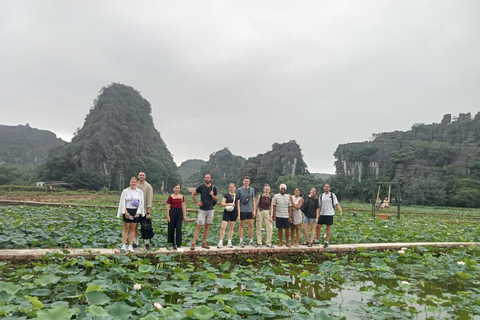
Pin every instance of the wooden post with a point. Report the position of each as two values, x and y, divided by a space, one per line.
399 200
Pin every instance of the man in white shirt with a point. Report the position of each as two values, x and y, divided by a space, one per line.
282 214
325 212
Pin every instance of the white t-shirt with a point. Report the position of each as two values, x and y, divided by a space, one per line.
281 203
326 203
128 198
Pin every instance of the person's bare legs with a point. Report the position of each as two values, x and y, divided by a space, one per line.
135 232
280 237
240 229
222 230
292 231
125 233
232 229
287 236
205 233
312 232
131 234
305 232
195 235
297 229
329 232
319 232
250 229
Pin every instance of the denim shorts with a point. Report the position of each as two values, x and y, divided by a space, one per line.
308 220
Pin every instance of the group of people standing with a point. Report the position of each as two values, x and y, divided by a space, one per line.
286 210
283 209
134 207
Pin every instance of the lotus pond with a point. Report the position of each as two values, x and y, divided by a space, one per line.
421 283
54 227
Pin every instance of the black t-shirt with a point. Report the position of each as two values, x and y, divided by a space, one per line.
206 198
229 199
311 207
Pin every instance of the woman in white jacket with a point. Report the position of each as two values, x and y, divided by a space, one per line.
130 207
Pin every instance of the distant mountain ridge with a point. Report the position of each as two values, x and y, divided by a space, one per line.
190 167
26 146
439 162
285 159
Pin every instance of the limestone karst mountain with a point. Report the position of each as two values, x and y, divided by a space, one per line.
117 140
438 164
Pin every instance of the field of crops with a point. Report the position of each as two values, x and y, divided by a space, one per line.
421 283
57 227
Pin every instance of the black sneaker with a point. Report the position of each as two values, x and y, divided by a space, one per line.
316 242
325 245
135 246
174 247
147 247
269 246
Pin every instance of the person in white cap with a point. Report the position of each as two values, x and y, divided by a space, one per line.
282 214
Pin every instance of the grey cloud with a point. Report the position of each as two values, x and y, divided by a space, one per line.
244 74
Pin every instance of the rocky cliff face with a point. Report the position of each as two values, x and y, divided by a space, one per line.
223 166
430 152
117 140
284 159
26 146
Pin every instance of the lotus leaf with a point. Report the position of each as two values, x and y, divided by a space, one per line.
47 279
58 313
203 312
97 298
119 311
98 311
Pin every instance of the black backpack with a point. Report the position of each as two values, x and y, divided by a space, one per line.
147 229
214 201
305 203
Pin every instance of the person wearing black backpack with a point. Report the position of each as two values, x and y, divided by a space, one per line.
327 203
208 199
309 209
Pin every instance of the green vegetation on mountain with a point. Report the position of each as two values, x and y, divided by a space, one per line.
437 164
223 166
26 146
190 167
285 159
117 140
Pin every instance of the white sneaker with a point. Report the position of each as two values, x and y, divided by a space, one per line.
220 245
230 245
124 248
241 245
130 248
251 243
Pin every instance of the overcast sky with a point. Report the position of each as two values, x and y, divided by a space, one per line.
244 74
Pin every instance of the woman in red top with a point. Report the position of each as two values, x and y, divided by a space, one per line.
176 213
